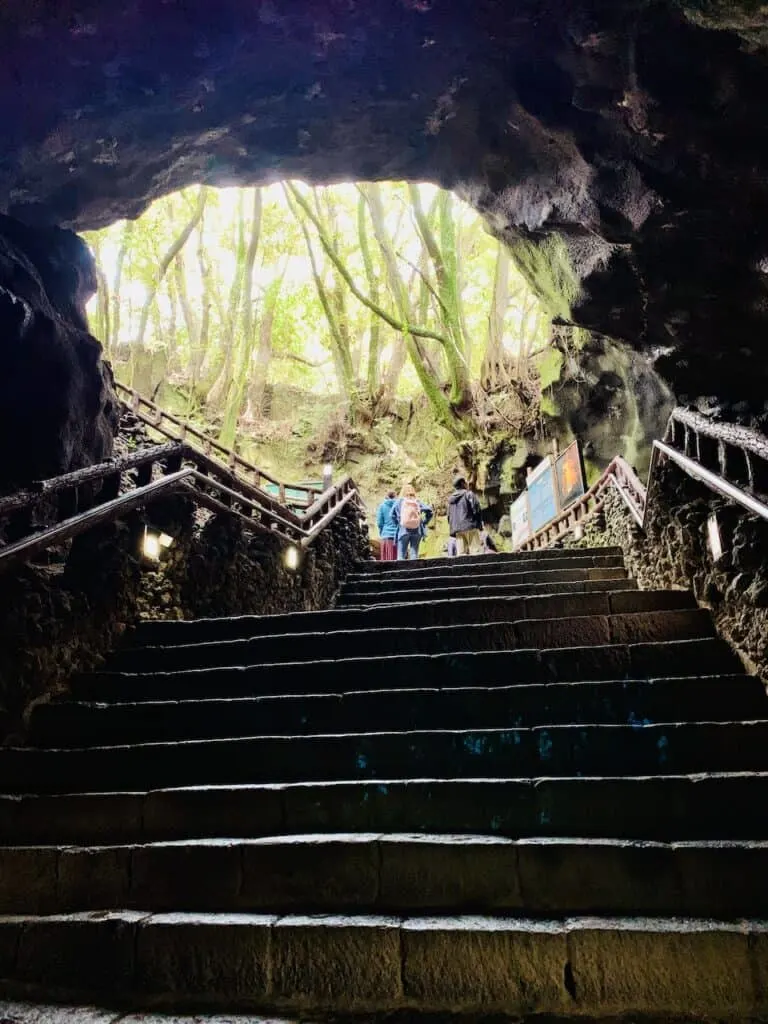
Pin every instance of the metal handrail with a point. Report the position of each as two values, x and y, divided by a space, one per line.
712 480
634 494
159 418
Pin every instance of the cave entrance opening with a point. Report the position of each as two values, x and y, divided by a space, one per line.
387 306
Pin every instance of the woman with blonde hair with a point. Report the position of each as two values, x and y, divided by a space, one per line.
411 517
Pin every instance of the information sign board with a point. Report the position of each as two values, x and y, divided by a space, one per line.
518 515
542 495
570 475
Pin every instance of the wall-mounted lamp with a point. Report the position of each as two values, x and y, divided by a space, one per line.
153 544
714 540
292 558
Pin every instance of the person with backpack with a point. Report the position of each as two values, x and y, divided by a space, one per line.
411 517
465 520
387 528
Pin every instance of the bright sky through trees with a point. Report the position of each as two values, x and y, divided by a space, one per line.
369 291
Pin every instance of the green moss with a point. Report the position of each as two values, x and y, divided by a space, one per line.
547 406
593 471
550 366
747 17
546 266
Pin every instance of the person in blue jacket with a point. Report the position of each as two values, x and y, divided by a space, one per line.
387 528
411 516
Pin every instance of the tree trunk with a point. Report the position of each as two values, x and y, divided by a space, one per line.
241 308
374 328
169 256
494 349
125 242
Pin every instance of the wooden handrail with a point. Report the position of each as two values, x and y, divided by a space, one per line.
164 422
685 431
619 475
24 549
203 479
42 489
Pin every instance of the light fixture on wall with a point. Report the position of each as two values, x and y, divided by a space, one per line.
154 543
714 540
292 558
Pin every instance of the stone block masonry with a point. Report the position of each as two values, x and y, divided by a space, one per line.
673 552
58 621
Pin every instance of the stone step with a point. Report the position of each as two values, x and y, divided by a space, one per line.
484 565
392 874
504 557
658 807
709 656
353 599
686 967
424 613
575 631
437 580
713 698
669 748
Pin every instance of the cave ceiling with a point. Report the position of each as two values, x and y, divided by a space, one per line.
634 131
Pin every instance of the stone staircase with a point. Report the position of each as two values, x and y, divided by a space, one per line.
505 784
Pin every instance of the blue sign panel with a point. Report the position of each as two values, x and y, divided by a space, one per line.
542 497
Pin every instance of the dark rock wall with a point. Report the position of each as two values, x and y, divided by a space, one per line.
673 552
618 147
611 399
58 411
56 622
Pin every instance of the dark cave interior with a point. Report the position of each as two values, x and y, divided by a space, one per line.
618 149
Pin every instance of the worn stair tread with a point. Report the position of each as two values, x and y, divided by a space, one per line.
474 609
354 600
701 967
544 554
155 631
391 873
553 750
670 807
610 661
72 723
487 566
570 630
436 581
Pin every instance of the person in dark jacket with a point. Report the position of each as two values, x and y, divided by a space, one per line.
464 518
387 528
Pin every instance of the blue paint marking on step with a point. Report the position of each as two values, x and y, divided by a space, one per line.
382 789
545 746
475 745
362 762
638 723
662 746
495 823
544 816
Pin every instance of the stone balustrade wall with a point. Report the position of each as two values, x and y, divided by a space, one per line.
673 552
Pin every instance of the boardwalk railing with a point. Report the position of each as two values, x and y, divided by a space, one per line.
729 459
56 510
297 495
